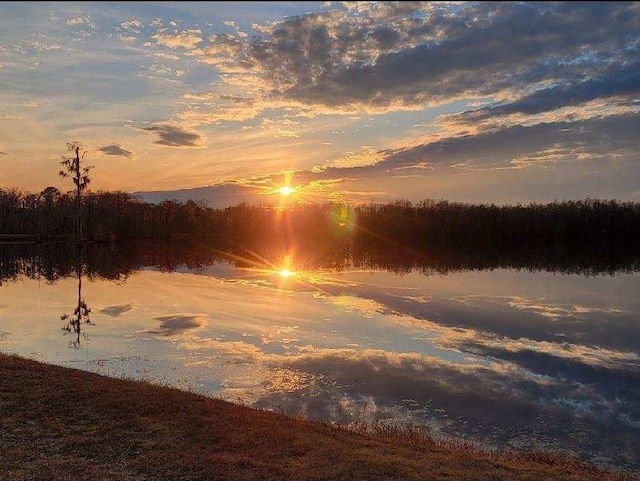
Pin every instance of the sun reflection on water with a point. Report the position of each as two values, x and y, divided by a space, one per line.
286 270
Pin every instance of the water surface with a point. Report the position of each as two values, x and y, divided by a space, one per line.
505 356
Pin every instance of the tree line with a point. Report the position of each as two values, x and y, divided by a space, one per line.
564 230
52 261
118 215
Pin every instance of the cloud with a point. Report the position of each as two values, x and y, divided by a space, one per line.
44 47
187 39
83 26
594 356
174 136
491 403
568 141
215 108
132 25
166 56
116 311
390 58
556 311
547 80
365 307
601 140
597 142
507 385
115 149
367 156
237 351
81 20
619 81
130 30
592 334
176 324
528 63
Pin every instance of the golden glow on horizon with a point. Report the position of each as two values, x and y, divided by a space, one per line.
286 190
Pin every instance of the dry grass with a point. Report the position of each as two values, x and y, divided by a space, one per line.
64 424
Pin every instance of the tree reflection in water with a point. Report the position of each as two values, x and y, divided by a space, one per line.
81 314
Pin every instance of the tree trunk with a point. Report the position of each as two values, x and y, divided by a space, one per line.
78 202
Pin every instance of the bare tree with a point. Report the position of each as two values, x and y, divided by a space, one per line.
80 176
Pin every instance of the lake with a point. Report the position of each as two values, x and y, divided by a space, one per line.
533 353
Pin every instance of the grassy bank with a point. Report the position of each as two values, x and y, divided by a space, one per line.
63 424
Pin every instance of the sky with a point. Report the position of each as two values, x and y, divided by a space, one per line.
492 102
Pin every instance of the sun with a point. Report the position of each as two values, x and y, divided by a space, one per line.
286 273
286 190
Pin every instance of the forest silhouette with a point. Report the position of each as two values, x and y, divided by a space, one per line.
118 216
584 237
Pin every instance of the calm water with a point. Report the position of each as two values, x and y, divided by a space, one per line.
502 356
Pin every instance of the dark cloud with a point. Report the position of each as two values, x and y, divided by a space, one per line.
386 37
177 324
175 136
622 82
116 311
603 137
115 149
3 153
417 54
215 196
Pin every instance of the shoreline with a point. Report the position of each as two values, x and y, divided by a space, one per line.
63 423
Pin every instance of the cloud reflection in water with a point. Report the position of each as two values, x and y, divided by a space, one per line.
503 357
